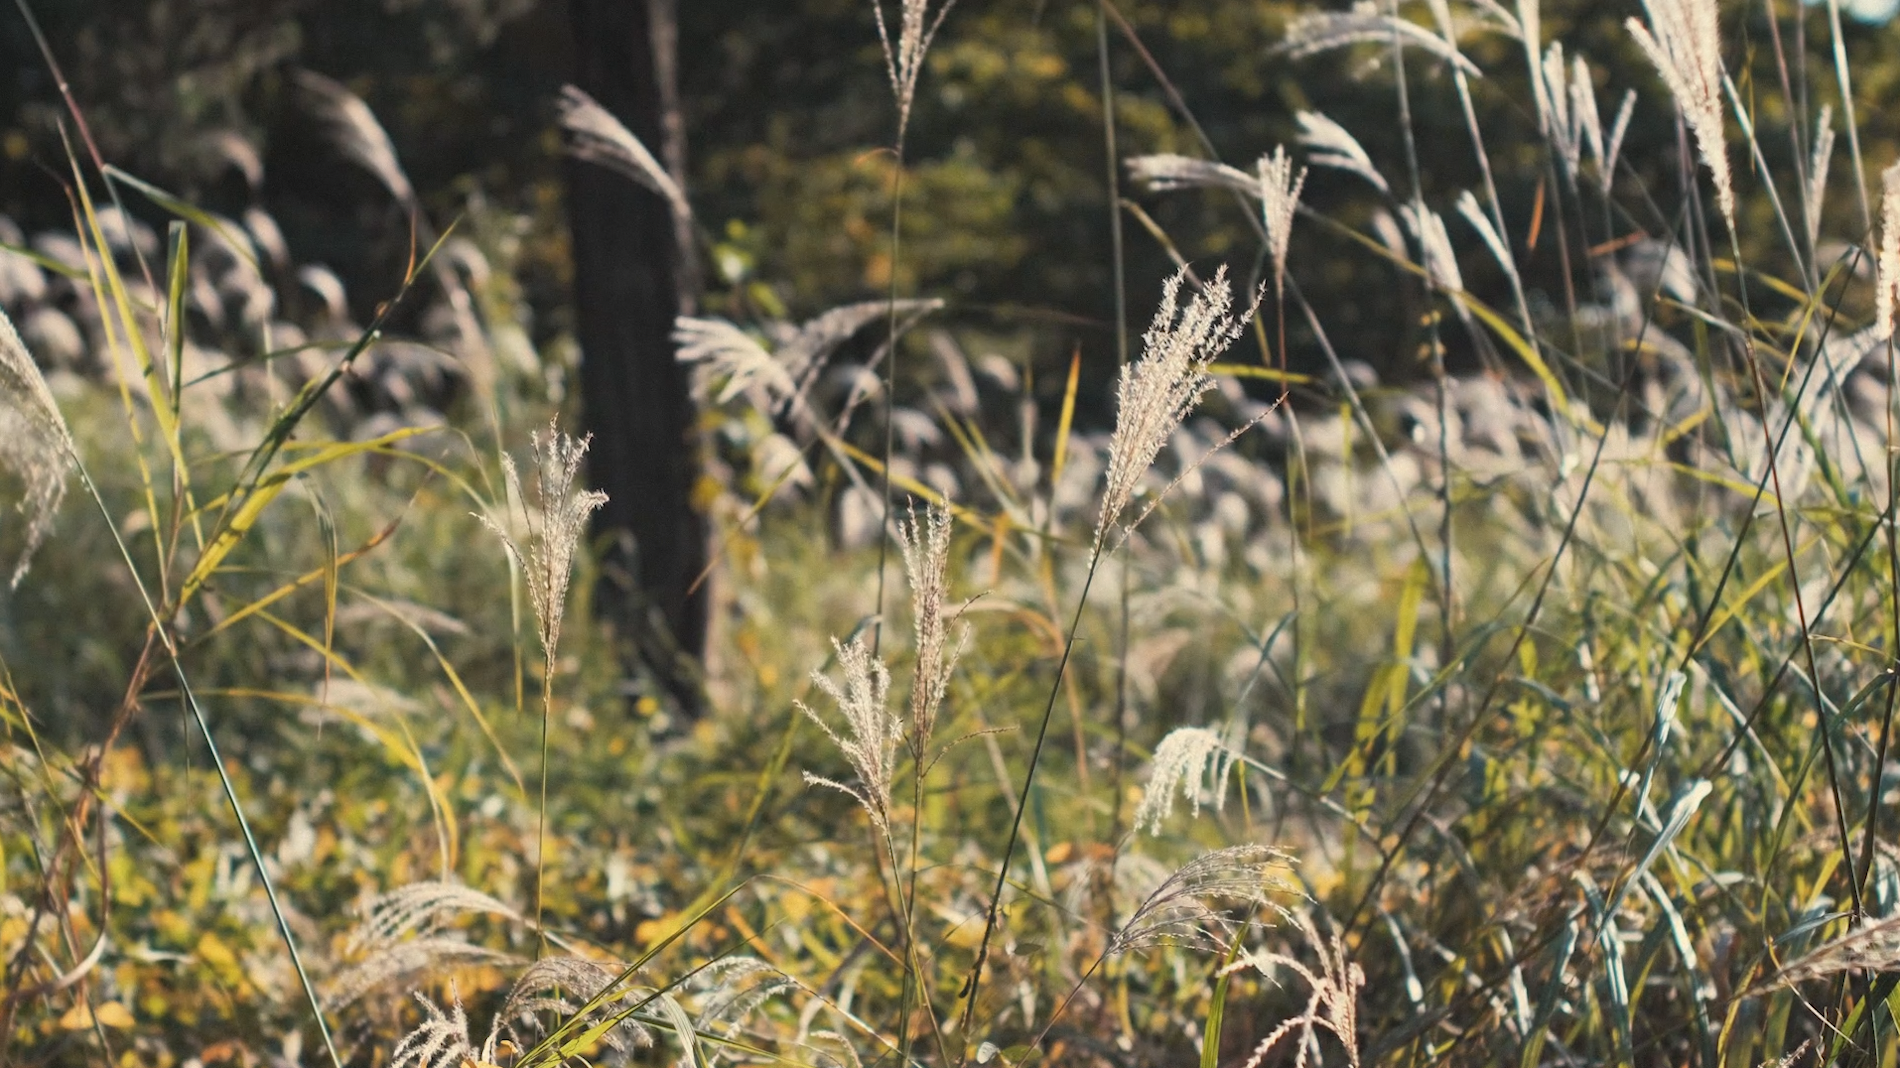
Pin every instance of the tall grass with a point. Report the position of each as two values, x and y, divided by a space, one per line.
1540 713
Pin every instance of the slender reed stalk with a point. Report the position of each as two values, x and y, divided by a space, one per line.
1155 394
550 530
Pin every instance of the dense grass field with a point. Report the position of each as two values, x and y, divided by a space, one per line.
1534 708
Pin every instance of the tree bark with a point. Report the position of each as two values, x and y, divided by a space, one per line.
627 290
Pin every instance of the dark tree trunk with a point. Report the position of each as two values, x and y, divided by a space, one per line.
627 290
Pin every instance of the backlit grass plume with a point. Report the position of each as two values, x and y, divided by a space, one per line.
1279 200
926 545
595 135
1185 761
551 529
1887 265
917 25
353 128
872 734
35 445
1684 40
1159 390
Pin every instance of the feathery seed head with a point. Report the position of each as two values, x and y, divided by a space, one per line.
904 57
1441 262
1332 1003
35 444
926 546
1474 214
1195 906
1684 41
1185 761
1158 391
353 128
1279 200
1332 145
871 735
553 527
1823 155
1887 266
1322 31
1167 172
596 136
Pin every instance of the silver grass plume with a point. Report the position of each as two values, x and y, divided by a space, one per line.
1322 31
736 987
1279 201
1187 760
397 938
35 444
871 735
1474 214
594 135
567 985
353 129
1559 118
1583 109
1683 39
926 546
1167 172
1613 145
1158 391
1887 266
1441 263
1822 156
1196 905
724 349
405 963
720 348
553 527
1332 1004
917 25
1332 145
440 1041
1875 947
389 917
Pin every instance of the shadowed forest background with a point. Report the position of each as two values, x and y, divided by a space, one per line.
1099 532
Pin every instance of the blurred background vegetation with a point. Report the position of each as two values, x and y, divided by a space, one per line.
787 120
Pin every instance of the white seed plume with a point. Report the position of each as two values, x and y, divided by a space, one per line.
1818 162
1559 120
1279 200
1331 145
720 348
1199 905
1187 760
723 349
34 442
1684 40
1158 391
552 528
1887 267
1332 1004
872 734
917 25
597 137
1474 214
1583 109
353 128
1167 172
926 545
1322 31
1613 146
1441 263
